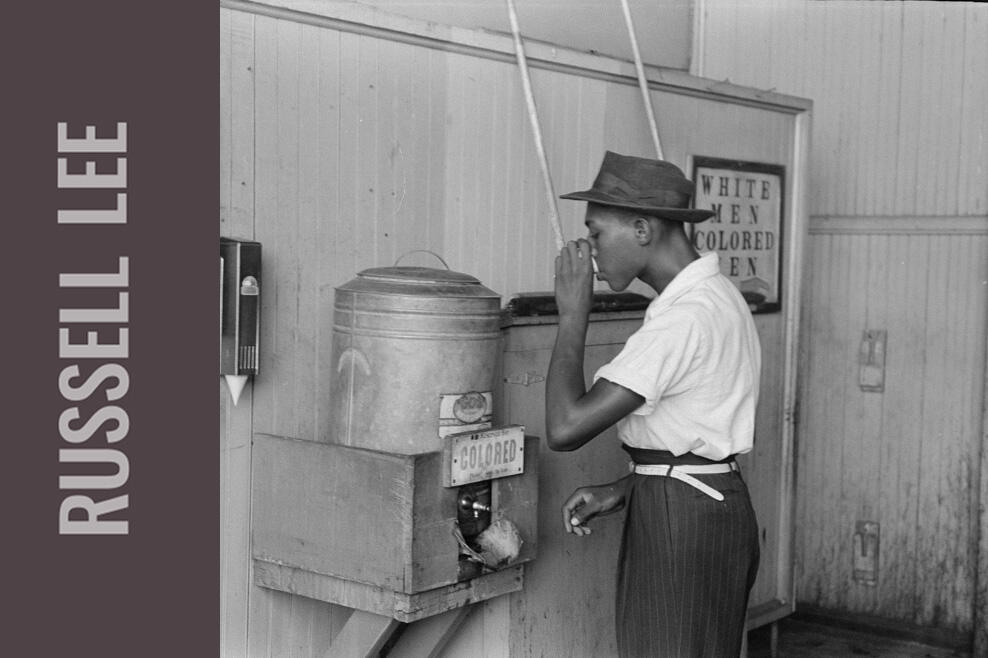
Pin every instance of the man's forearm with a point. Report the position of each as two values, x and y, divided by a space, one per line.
565 384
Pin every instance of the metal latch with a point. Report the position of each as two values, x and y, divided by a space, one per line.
525 379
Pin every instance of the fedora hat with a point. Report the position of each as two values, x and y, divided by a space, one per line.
655 187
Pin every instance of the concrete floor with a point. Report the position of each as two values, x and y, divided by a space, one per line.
800 639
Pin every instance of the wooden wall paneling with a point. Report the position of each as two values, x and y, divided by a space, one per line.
235 432
879 198
825 109
788 33
308 243
625 128
848 50
930 575
456 158
961 441
409 156
560 98
919 477
237 138
758 25
951 351
312 630
806 451
942 538
856 470
980 295
402 154
825 537
517 254
948 37
587 141
555 96
873 429
972 140
974 328
902 435
911 112
283 228
761 465
367 128
226 111
346 220
514 139
839 50
484 631
272 212
324 216
928 98
285 213
720 27
819 494
495 193
518 259
391 179
529 234
431 145
862 112
963 415
485 125
852 308
236 220
895 87
268 610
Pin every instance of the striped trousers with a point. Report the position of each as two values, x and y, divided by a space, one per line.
687 564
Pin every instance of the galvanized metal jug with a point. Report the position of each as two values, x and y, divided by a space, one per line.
415 352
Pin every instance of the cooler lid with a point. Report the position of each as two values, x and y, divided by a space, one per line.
417 275
418 282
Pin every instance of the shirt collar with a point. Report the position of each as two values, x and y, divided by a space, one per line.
704 267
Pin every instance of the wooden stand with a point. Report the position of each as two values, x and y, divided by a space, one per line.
374 531
396 605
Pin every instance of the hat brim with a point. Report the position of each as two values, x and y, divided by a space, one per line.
690 215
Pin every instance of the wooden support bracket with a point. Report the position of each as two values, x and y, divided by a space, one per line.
362 636
428 637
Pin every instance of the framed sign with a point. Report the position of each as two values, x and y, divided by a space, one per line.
746 229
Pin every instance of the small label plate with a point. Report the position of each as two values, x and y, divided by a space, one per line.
476 456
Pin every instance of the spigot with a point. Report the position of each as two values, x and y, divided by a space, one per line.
470 504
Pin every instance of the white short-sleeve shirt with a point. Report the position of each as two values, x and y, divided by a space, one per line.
696 360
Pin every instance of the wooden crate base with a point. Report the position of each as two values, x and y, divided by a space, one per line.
397 605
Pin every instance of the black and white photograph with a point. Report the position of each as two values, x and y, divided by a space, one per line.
631 328
546 328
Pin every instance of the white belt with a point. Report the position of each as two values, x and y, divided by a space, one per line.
682 472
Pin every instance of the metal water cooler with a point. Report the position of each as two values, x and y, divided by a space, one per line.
404 506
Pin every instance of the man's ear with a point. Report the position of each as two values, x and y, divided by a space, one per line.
644 231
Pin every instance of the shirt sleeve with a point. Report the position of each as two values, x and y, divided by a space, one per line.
657 359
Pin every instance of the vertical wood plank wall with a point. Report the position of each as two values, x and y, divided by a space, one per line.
898 241
342 151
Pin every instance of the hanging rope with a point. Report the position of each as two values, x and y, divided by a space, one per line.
533 118
642 81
